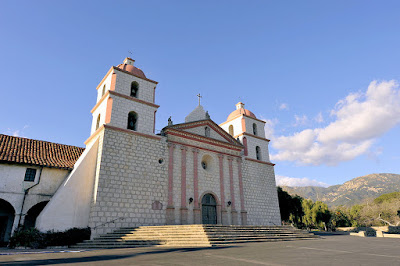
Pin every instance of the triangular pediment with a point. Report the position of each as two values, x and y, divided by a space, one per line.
199 128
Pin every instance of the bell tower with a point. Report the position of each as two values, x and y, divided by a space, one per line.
245 126
125 100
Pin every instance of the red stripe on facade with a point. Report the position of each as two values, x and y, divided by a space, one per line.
198 147
221 179
231 183
183 177
108 110
222 133
246 151
258 161
240 185
171 148
185 135
133 99
196 178
113 81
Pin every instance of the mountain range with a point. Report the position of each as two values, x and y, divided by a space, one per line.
351 192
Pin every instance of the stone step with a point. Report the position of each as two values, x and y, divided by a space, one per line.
193 235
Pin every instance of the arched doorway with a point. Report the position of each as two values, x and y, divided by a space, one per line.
7 214
33 213
209 209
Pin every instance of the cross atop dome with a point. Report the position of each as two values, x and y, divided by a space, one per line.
129 61
239 105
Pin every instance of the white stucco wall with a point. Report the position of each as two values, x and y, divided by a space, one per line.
12 187
70 206
236 123
101 109
107 83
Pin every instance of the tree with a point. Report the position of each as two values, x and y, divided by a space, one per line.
340 218
290 207
307 219
321 215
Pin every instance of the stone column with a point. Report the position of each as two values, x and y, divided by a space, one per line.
243 212
183 209
234 213
170 215
196 209
224 213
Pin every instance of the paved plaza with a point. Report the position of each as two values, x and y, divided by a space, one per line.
329 250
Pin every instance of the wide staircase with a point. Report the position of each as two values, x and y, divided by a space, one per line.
195 235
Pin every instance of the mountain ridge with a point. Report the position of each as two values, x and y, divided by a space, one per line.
351 192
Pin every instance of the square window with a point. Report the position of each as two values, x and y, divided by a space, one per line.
30 174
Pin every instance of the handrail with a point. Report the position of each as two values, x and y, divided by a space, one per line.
112 221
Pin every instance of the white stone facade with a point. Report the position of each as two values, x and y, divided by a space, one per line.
129 178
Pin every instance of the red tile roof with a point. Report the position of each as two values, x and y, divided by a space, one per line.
38 152
133 70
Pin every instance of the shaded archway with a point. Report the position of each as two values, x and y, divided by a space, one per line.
33 213
7 214
209 209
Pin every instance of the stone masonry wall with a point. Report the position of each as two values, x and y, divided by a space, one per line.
123 86
121 109
130 181
261 198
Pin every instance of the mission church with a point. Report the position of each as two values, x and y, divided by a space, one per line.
191 173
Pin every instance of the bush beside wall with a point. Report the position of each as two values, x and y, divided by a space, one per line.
33 238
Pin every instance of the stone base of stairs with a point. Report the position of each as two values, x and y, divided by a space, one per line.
195 235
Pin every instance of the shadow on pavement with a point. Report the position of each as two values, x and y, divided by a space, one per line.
100 258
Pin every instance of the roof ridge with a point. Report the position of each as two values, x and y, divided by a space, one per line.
41 141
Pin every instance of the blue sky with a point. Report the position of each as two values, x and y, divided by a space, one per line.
323 74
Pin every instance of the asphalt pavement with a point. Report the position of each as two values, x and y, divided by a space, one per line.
329 250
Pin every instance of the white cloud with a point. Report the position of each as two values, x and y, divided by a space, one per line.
298 182
16 132
319 118
360 119
300 120
284 106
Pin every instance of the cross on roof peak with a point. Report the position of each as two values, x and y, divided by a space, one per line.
199 96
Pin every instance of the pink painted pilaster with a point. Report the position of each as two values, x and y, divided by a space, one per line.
170 208
243 212
154 123
231 186
196 208
183 209
224 214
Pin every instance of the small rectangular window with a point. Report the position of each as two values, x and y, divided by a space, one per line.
30 174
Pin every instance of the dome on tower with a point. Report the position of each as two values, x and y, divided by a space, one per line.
128 67
240 111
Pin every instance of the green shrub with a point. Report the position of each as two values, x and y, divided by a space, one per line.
33 238
67 238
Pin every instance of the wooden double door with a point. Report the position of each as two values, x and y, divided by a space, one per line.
209 209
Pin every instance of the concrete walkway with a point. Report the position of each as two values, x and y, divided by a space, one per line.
331 250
